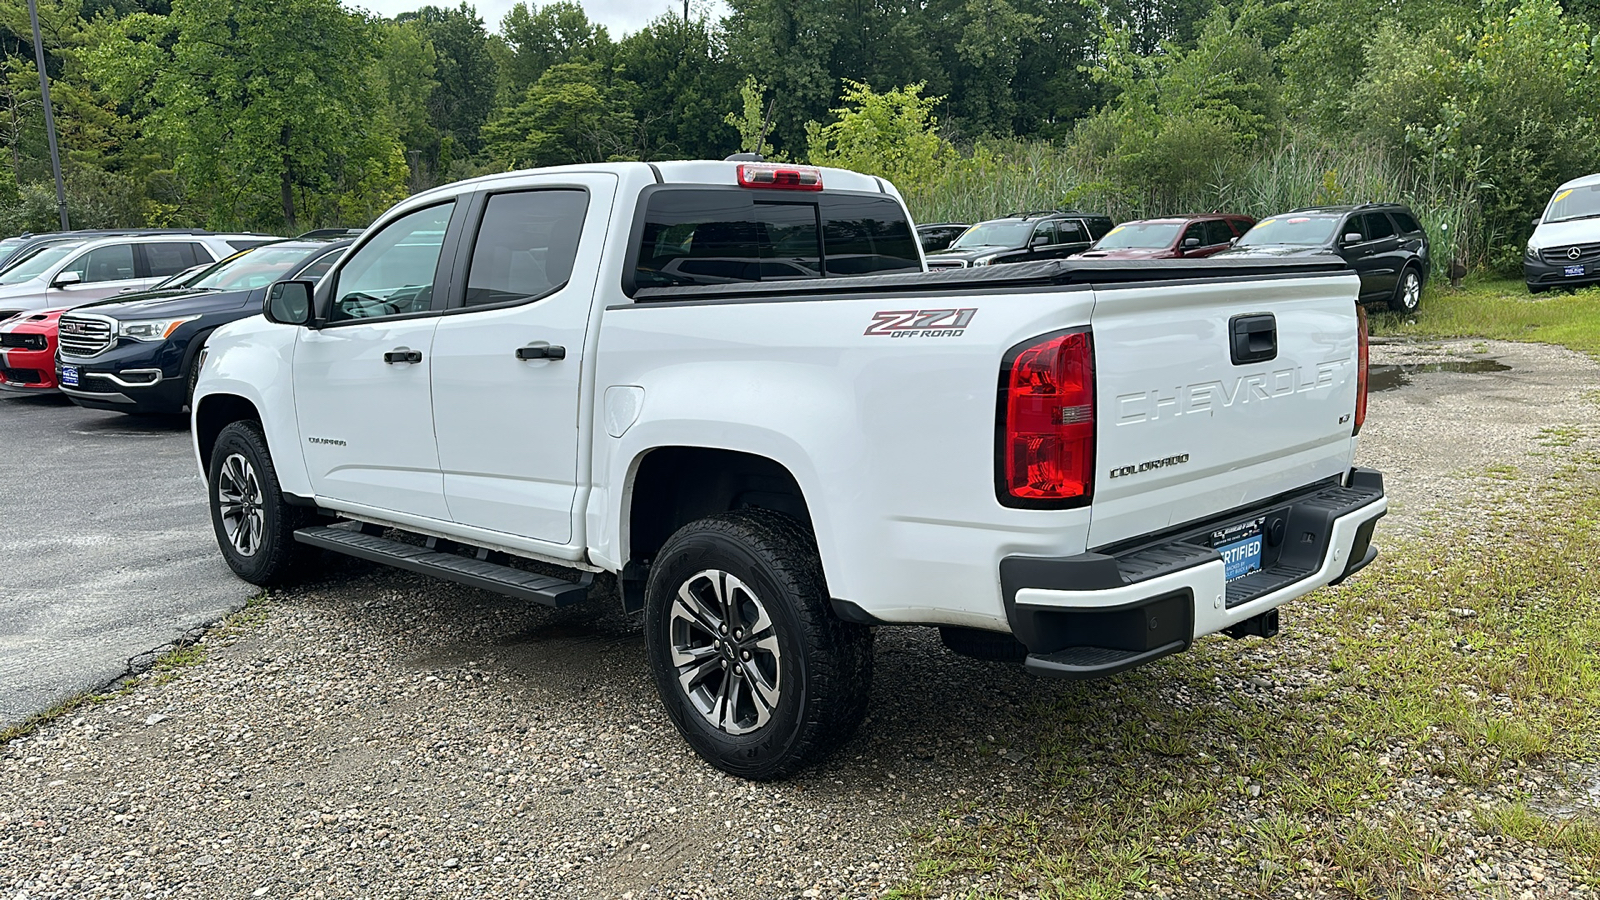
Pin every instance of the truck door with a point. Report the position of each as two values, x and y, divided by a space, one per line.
361 380
509 355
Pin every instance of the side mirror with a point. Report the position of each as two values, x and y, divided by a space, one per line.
288 303
1537 220
1190 243
1353 237
1040 240
66 278
1232 241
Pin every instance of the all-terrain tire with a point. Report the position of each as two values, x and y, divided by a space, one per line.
244 493
755 670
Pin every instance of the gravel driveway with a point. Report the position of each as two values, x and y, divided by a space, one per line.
376 734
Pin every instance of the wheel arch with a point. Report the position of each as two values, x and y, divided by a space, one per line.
671 486
214 412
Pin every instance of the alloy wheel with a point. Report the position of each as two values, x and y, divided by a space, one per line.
725 649
239 498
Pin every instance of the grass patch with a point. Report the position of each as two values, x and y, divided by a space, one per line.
1502 310
1455 663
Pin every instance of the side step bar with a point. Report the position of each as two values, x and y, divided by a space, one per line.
477 573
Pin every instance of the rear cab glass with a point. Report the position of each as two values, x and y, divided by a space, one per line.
697 236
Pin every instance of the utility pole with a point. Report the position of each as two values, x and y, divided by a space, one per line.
49 115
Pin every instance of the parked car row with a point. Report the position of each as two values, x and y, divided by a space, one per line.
136 350
1381 241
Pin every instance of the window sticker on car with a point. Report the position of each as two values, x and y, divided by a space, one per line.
1561 196
1114 231
1266 221
1299 221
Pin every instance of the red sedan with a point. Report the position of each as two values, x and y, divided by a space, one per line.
28 351
1174 237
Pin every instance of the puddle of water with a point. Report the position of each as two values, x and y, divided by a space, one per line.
1392 377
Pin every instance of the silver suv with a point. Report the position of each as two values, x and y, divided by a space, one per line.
1565 248
75 272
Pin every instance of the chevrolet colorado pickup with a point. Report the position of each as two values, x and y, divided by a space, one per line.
518 383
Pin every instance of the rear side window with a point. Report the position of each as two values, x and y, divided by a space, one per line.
1070 232
719 236
526 245
169 259
1099 228
1217 232
1376 226
1407 224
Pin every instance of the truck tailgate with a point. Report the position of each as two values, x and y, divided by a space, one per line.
1189 426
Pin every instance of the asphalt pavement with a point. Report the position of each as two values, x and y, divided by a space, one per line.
106 549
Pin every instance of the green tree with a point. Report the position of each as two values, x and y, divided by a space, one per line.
574 113
893 135
683 81
541 37
464 72
262 127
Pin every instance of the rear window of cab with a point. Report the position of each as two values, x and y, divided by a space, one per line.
700 236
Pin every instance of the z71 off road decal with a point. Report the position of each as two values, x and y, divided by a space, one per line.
931 323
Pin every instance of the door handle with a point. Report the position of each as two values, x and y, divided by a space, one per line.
1254 338
547 351
402 355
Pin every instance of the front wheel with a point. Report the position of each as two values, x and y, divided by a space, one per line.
253 522
757 673
1408 293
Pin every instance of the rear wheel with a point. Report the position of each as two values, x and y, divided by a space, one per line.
1408 293
253 522
755 670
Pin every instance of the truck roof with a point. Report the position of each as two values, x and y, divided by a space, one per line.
682 171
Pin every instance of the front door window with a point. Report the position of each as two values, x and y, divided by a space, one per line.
394 273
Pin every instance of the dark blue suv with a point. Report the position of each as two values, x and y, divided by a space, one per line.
137 353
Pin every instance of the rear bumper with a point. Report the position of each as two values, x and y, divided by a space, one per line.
1097 614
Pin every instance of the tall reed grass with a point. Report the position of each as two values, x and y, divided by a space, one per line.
1003 177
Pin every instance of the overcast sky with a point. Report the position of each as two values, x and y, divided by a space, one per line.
619 16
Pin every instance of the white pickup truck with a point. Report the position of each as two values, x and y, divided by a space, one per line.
732 391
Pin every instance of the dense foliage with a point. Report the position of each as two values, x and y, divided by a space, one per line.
283 114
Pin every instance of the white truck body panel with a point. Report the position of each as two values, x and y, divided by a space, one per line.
891 439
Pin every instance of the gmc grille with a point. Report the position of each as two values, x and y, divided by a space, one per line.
23 341
1561 255
81 336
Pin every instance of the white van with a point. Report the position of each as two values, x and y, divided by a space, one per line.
1565 247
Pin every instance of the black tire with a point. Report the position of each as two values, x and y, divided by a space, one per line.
193 378
807 669
242 477
1538 288
978 644
1407 291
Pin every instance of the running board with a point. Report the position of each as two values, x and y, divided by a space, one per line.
476 573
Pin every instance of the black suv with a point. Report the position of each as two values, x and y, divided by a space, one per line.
1023 237
1381 241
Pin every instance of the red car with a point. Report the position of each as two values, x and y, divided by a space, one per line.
28 351
1174 237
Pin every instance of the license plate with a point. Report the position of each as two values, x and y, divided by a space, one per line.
1240 547
1573 270
69 376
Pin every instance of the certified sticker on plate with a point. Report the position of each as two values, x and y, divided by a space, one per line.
1573 271
69 376
1240 546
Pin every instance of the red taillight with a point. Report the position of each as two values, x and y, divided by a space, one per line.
1361 371
783 178
1046 431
